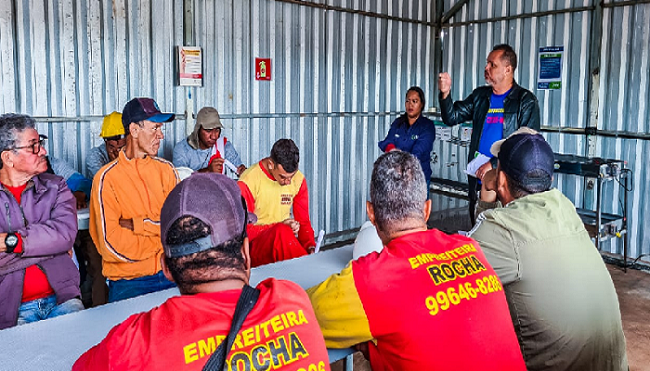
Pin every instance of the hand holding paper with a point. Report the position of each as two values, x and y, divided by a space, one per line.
475 164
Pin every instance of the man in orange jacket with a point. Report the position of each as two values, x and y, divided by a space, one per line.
125 203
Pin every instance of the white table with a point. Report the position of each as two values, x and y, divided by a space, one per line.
83 218
55 344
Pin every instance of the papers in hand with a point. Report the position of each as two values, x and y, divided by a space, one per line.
230 165
476 163
321 234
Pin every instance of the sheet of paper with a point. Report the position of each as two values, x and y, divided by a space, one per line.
319 242
476 163
230 165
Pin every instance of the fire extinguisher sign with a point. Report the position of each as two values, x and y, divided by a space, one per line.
263 69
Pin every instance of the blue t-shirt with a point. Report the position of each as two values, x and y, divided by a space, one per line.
493 126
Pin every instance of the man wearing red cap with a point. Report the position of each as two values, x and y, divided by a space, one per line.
125 203
562 300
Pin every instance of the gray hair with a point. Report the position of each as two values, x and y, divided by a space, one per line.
398 190
10 125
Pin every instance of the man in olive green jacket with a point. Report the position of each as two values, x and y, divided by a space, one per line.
561 297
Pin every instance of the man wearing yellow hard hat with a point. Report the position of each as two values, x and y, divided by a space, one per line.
114 141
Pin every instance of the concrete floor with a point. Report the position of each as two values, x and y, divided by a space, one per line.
633 289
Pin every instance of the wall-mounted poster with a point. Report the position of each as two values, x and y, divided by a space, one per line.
550 68
190 66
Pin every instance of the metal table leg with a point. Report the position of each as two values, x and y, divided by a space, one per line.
349 362
626 235
599 216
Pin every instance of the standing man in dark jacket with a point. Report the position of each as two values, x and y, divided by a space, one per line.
38 279
496 110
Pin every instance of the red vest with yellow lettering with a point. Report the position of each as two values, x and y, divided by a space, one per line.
280 333
434 303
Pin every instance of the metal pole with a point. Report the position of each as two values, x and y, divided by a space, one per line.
521 16
188 39
349 362
454 9
438 45
599 216
597 133
623 3
355 11
626 235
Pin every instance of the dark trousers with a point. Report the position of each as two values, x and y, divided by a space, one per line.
474 188
91 261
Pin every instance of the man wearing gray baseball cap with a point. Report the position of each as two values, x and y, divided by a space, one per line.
203 233
561 297
206 150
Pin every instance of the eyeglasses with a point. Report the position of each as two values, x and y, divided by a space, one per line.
36 146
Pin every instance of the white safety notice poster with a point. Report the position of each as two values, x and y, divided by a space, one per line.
550 68
190 66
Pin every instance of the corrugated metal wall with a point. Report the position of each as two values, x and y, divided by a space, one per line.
624 104
623 91
69 63
339 78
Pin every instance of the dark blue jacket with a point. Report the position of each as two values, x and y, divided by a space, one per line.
416 139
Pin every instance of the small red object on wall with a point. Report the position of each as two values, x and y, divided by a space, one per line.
263 69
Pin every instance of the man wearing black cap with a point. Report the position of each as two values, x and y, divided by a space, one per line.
203 226
125 203
206 150
561 298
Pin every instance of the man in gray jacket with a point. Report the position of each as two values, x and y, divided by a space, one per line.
561 297
38 278
206 150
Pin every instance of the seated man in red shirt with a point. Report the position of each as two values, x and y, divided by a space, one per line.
203 232
427 301
271 188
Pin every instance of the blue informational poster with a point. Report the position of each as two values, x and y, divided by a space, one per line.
550 67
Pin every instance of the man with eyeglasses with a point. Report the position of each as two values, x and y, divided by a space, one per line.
206 150
125 203
38 279
114 140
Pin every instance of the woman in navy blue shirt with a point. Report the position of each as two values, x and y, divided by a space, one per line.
413 132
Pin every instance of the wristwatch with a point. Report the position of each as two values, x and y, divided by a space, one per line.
11 241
